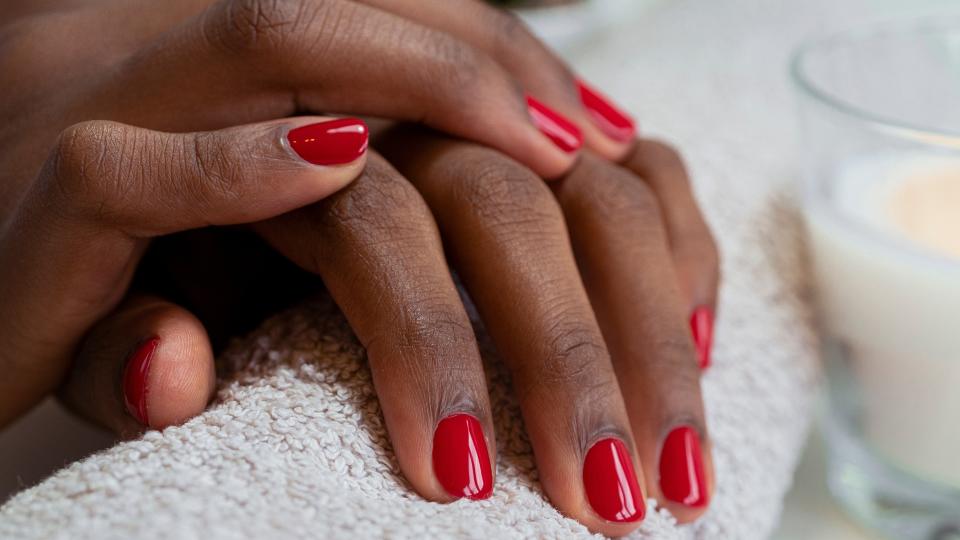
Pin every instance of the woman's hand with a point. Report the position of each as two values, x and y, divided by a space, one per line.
198 66
582 290
70 248
459 66
596 336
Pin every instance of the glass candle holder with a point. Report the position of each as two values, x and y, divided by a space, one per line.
880 151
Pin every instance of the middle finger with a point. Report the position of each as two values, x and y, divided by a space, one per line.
507 237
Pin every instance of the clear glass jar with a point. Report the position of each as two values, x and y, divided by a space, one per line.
880 114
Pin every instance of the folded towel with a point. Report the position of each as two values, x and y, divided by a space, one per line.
295 447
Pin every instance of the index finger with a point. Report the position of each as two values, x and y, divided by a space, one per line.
245 60
607 129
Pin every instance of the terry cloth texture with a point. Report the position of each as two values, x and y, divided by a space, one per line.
294 446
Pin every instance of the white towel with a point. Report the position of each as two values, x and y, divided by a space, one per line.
294 446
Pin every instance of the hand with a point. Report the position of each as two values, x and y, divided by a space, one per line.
196 66
459 66
586 292
570 348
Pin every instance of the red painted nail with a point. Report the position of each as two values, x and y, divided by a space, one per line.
611 484
558 129
460 458
681 468
701 324
334 142
615 123
135 379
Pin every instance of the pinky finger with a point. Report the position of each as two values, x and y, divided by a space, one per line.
148 364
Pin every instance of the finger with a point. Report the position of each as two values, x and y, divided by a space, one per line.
694 251
606 128
257 59
67 256
376 246
506 235
617 233
148 364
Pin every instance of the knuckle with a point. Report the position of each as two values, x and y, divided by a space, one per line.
210 170
88 165
431 342
673 358
502 192
621 196
252 26
378 207
433 324
574 352
661 156
664 152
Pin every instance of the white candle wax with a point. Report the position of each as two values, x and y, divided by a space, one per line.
895 306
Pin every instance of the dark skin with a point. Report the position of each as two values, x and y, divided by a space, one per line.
585 284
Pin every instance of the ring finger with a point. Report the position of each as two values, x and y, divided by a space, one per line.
620 239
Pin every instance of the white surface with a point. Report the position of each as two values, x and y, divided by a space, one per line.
49 438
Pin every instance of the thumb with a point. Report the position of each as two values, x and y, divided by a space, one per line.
67 256
146 364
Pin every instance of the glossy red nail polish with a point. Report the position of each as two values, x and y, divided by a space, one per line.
612 121
558 129
460 458
334 142
611 483
135 379
682 477
701 324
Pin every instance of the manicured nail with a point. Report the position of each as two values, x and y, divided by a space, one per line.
701 324
135 379
611 484
612 121
334 142
681 468
558 129
460 458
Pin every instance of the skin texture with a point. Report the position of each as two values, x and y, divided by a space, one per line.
123 147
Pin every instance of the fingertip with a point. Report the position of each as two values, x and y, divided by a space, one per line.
147 364
685 480
180 378
461 461
609 149
610 131
544 158
328 141
335 148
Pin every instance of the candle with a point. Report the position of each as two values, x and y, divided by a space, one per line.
884 236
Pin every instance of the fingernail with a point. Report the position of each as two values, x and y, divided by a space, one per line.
460 458
681 468
334 142
612 121
701 324
558 129
611 483
135 379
